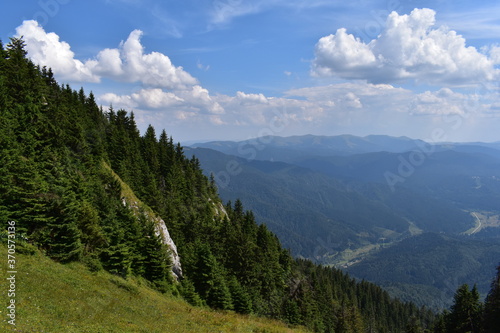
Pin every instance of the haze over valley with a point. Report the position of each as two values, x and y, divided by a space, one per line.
346 200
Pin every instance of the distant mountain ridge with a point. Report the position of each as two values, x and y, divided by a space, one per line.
339 145
281 148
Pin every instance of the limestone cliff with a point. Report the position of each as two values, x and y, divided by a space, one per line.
137 207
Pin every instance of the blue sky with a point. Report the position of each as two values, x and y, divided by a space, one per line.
236 69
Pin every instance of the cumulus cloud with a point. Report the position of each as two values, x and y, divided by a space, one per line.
409 47
47 50
145 98
131 64
251 99
128 63
347 96
199 98
196 99
166 87
441 102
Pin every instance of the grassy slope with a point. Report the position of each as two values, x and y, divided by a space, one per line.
51 297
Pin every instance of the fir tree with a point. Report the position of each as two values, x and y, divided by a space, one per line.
492 306
465 315
241 299
189 293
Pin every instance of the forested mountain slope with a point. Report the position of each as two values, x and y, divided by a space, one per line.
431 267
83 185
320 217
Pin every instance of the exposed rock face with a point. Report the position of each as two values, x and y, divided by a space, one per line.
162 231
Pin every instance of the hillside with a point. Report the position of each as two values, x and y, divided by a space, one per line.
83 185
431 267
77 300
324 218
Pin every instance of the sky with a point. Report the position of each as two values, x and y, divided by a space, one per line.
238 69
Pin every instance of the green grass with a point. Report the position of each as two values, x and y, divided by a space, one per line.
51 297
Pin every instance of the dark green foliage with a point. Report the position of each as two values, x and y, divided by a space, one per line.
189 293
219 296
466 312
439 325
84 185
428 268
492 306
241 299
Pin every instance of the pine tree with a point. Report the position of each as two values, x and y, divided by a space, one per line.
157 262
88 222
241 300
465 315
189 293
348 319
492 306
439 325
413 325
63 242
219 296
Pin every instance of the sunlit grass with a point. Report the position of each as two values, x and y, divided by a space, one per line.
52 297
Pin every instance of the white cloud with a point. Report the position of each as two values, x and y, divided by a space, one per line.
342 53
495 54
441 102
195 100
145 99
199 98
108 63
345 97
223 11
409 47
251 99
128 63
47 50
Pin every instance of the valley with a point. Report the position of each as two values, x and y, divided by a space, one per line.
328 200
484 220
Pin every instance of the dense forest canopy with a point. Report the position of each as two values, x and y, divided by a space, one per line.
66 167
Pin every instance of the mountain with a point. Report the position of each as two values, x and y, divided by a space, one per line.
322 218
356 210
470 180
84 188
289 149
431 266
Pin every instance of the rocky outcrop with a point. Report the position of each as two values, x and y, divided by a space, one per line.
137 207
162 231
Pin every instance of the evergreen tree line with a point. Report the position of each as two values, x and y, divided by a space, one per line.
469 314
65 168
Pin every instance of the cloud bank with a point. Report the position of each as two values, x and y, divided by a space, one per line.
409 47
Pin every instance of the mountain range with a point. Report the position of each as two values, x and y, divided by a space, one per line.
342 199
